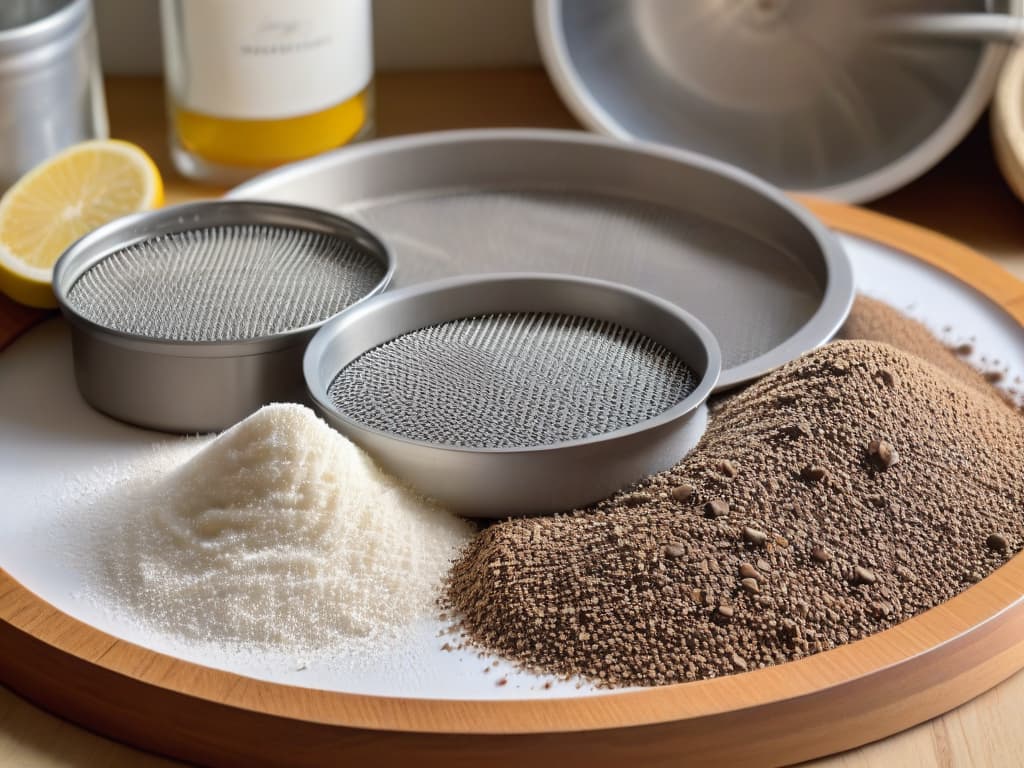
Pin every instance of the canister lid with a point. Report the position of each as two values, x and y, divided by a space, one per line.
31 24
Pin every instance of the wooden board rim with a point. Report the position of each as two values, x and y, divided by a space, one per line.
991 608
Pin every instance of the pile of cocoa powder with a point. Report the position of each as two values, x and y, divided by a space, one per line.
838 496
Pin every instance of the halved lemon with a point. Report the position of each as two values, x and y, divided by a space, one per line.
66 197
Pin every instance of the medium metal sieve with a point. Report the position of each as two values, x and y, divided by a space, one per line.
516 394
189 318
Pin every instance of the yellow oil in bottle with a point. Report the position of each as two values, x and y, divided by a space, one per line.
265 143
252 84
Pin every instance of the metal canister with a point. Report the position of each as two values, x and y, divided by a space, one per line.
51 86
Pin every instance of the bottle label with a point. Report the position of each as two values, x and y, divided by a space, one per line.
267 59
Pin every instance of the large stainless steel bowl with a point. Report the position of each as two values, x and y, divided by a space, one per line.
804 93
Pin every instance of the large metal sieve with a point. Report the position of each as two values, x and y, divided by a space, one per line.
189 318
516 394
767 278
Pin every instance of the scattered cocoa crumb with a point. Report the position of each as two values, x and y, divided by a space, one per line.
821 554
716 508
635 499
882 454
997 542
754 536
747 571
863 576
682 492
814 473
674 549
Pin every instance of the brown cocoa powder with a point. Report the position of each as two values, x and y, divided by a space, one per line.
662 591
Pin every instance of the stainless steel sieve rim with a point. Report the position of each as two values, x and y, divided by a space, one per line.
319 350
110 238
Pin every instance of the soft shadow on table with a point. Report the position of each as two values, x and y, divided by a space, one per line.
34 737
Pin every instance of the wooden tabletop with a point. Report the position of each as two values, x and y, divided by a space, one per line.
963 197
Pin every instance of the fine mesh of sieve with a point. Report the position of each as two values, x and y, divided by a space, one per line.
511 380
230 282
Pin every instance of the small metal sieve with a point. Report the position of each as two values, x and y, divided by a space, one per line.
189 318
516 394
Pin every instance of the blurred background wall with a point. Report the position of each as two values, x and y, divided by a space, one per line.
408 34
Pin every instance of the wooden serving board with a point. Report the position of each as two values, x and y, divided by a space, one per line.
818 705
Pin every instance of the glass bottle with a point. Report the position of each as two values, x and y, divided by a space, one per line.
255 83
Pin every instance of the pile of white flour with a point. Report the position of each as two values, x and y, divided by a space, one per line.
280 534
